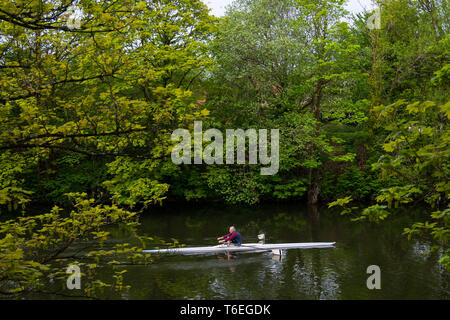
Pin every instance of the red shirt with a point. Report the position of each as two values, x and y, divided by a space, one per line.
230 236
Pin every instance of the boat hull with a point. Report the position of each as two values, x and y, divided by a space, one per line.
250 247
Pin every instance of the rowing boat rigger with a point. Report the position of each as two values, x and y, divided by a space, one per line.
276 248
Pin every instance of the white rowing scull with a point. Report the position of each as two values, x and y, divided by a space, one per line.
249 247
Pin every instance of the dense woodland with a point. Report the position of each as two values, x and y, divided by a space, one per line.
87 112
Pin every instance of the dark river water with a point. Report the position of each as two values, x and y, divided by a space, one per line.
333 273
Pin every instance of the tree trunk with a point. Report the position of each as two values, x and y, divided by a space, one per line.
313 193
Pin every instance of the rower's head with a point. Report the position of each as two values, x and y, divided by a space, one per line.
232 229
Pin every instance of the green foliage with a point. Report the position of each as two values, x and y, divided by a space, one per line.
398 195
65 174
235 186
445 260
361 184
416 151
375 213
12 192
290 189
438 229
343 202
132 183
39 248
415 165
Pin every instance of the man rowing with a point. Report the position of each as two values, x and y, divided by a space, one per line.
233 237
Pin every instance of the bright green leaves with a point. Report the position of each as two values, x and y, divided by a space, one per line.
132 183
375 213
418 107
394 144
417 145
439 230
290 189
12 193
442 231
399 195
445 260
445 108
420 228
348 157
32 246
343 203
415 165
442 76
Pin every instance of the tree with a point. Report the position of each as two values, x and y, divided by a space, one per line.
289 67
113 95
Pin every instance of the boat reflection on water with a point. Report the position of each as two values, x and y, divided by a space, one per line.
232 260
229 259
